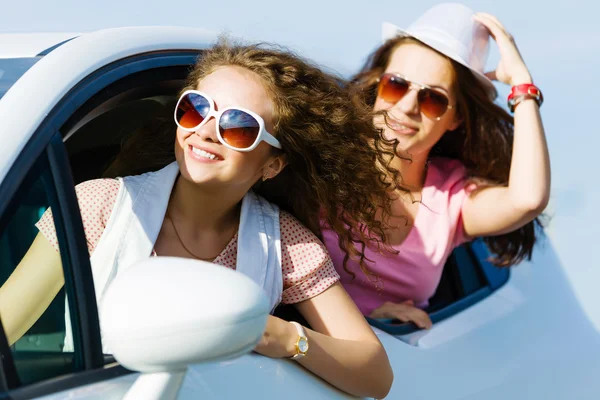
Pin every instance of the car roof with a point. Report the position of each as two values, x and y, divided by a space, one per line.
21 45
52 77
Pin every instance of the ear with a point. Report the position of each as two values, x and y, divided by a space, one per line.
458 120
274 167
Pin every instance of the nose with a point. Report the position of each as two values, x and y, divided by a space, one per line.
208 131
409 104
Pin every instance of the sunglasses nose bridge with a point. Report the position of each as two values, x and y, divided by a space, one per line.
207 130
211 118
409 103
412 86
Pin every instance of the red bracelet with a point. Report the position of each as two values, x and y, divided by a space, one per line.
519 93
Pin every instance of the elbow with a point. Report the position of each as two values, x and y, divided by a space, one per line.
384 377
533 206
385 386
375 376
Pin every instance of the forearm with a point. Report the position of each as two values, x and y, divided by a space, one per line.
342 347
18 315
30 289
529 180
528 187
357 367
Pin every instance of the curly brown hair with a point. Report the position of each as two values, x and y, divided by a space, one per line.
483 142
331 147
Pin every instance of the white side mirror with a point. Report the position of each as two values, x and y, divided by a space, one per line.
166 313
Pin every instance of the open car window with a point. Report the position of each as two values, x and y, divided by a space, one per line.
39 353
468 278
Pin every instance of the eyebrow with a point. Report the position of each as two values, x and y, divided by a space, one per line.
433 87
439 88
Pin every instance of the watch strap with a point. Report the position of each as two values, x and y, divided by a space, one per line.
301 337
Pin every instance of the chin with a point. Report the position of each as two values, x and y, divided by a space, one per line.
194 176
193 172
403 144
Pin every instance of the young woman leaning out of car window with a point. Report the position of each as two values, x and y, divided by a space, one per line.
263 139
469 169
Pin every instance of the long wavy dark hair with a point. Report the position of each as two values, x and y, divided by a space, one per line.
483 142
327 135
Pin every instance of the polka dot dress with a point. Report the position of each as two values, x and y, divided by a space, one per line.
306 265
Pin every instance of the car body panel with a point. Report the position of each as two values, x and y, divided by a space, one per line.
105 390
18 45
250 375
531 329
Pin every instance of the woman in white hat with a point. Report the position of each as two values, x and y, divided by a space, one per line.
469 168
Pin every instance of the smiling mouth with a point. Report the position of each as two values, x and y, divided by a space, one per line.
204 154
401 128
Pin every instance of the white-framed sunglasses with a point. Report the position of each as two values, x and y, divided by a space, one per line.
237 128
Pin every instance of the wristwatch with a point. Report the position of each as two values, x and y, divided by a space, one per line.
301 343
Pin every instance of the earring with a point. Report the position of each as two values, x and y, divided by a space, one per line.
266 176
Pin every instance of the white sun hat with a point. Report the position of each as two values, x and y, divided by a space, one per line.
450 29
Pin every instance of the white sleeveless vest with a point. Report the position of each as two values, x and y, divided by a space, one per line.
137 218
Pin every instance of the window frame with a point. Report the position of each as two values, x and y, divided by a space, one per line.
74 257
47 141
477 255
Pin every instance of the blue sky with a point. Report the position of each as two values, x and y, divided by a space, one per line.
560 43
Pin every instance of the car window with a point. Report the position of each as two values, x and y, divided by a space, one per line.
40 353
468 277
11 70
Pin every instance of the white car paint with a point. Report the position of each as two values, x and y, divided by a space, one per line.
530 339
18 45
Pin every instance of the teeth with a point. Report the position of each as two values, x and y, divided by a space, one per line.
203 153
399 126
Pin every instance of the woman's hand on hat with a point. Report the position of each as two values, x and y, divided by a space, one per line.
511 69
405 312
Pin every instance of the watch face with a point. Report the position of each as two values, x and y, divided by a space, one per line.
303 345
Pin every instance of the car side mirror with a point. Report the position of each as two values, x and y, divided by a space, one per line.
165 313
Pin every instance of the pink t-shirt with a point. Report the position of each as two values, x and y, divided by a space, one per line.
414 273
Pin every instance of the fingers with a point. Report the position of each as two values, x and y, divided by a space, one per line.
491 18
421 319
379 312
262 344
405 312
416 316
497 30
